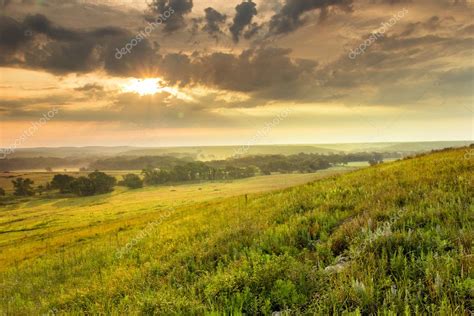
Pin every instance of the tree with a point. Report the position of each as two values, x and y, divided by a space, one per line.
23 187
62 182
2 192
132 181
83 186
48 169
103 183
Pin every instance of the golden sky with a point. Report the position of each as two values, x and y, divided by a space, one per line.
183 72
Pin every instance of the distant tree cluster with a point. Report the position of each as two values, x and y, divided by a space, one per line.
95 183
297 163
195 171
279 163
138 163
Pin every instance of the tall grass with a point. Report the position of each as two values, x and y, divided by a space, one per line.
392 239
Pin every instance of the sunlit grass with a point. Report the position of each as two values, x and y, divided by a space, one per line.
393 238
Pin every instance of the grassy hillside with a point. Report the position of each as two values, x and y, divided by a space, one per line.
394 238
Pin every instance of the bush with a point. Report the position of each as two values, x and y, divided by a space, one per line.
132 181
2 192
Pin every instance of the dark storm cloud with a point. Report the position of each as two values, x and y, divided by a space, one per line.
291 14
250 71
245 12
12 36
178 10
68 50
40 24
214 19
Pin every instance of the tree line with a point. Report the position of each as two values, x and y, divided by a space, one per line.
266 163
95 183
179 170
193 171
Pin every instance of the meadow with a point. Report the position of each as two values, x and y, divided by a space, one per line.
396 238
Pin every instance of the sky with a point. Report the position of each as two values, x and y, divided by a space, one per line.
213 72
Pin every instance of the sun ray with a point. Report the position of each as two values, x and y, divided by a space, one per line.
143 86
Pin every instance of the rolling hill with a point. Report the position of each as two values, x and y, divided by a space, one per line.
396 238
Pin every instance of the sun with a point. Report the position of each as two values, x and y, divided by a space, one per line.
143 86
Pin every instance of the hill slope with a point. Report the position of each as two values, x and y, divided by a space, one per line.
396 237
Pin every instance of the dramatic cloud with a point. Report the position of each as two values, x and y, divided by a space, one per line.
12 37
63 50
422 63
291 17
245 12
252 70
214 19
177 9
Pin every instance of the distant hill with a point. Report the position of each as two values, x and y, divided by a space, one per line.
223 152
407 147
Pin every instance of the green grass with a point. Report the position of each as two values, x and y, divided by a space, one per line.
391 239
29 226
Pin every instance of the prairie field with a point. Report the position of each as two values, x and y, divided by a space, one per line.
396 238
35 224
